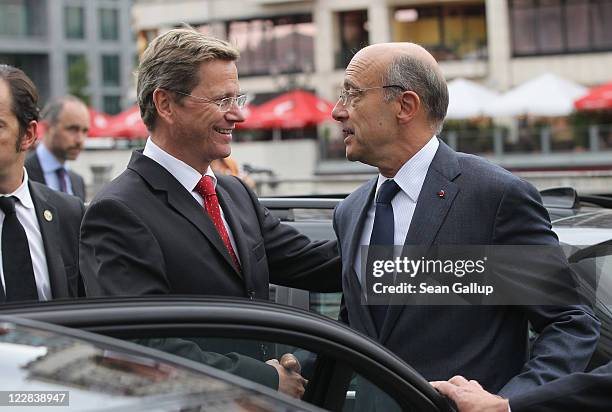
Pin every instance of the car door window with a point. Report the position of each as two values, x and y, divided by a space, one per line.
593 265
245 358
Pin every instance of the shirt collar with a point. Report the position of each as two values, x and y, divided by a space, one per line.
48 162
23 193
411 176
187 176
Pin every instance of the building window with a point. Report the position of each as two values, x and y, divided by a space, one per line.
110 70
353 34
22 18
449 32
108 21
74 22
112 104
77 73
275 45
541 27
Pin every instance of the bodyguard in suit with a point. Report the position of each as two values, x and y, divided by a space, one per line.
40 227
392 105
67 126
167 224
576 392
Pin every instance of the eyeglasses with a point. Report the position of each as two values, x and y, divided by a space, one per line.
346 95
224 104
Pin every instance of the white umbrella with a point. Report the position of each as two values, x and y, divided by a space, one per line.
467 99
546 95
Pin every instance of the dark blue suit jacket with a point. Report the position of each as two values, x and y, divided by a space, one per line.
576 392
483 205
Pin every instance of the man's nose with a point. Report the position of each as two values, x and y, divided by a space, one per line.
235 113
82 135
339 112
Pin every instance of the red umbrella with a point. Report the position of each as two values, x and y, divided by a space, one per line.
99 123
128 124
599 98
292 110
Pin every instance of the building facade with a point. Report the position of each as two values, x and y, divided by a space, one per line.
85 48
500 43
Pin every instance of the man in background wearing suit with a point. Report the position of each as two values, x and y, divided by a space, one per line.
576 392
67 126
40 227
168 224
392 106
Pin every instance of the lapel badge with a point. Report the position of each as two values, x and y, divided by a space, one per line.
441 194
48 215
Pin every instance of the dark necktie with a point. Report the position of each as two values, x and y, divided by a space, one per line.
206 189
61 176
17 267
383 232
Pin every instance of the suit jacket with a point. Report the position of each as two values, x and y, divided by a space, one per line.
35 173
483 205
59 217
576 392
144 233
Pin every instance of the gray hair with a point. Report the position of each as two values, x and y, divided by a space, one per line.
53 109
171 62
429 84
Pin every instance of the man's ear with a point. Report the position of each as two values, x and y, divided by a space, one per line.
29 137
410 104
163 103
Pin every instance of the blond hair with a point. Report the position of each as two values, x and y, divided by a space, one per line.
171 62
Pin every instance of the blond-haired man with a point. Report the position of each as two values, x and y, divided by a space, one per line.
168 225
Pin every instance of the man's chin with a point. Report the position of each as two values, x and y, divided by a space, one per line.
351 156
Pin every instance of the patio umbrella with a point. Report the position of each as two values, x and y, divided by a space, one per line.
547 95
468 99
599 98
292 110
128 124
99 123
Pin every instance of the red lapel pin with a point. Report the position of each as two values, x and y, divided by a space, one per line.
441 194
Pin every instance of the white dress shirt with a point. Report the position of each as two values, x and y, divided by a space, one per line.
187 176
24 208
410 179
49 165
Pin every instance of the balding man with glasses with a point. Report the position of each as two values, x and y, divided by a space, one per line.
426 195
168 225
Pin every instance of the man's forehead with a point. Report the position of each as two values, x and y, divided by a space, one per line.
366 68
5 97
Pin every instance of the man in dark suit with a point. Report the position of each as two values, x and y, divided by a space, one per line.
393 103
167 224
67 126
40 227
576 392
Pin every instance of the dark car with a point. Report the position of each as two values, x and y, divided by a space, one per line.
48 365
336 360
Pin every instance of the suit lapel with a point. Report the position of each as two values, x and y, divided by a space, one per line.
355 227
35 171
179 199
429 214
77 188
227 204
47 217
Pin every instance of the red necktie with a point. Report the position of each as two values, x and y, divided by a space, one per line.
206 189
